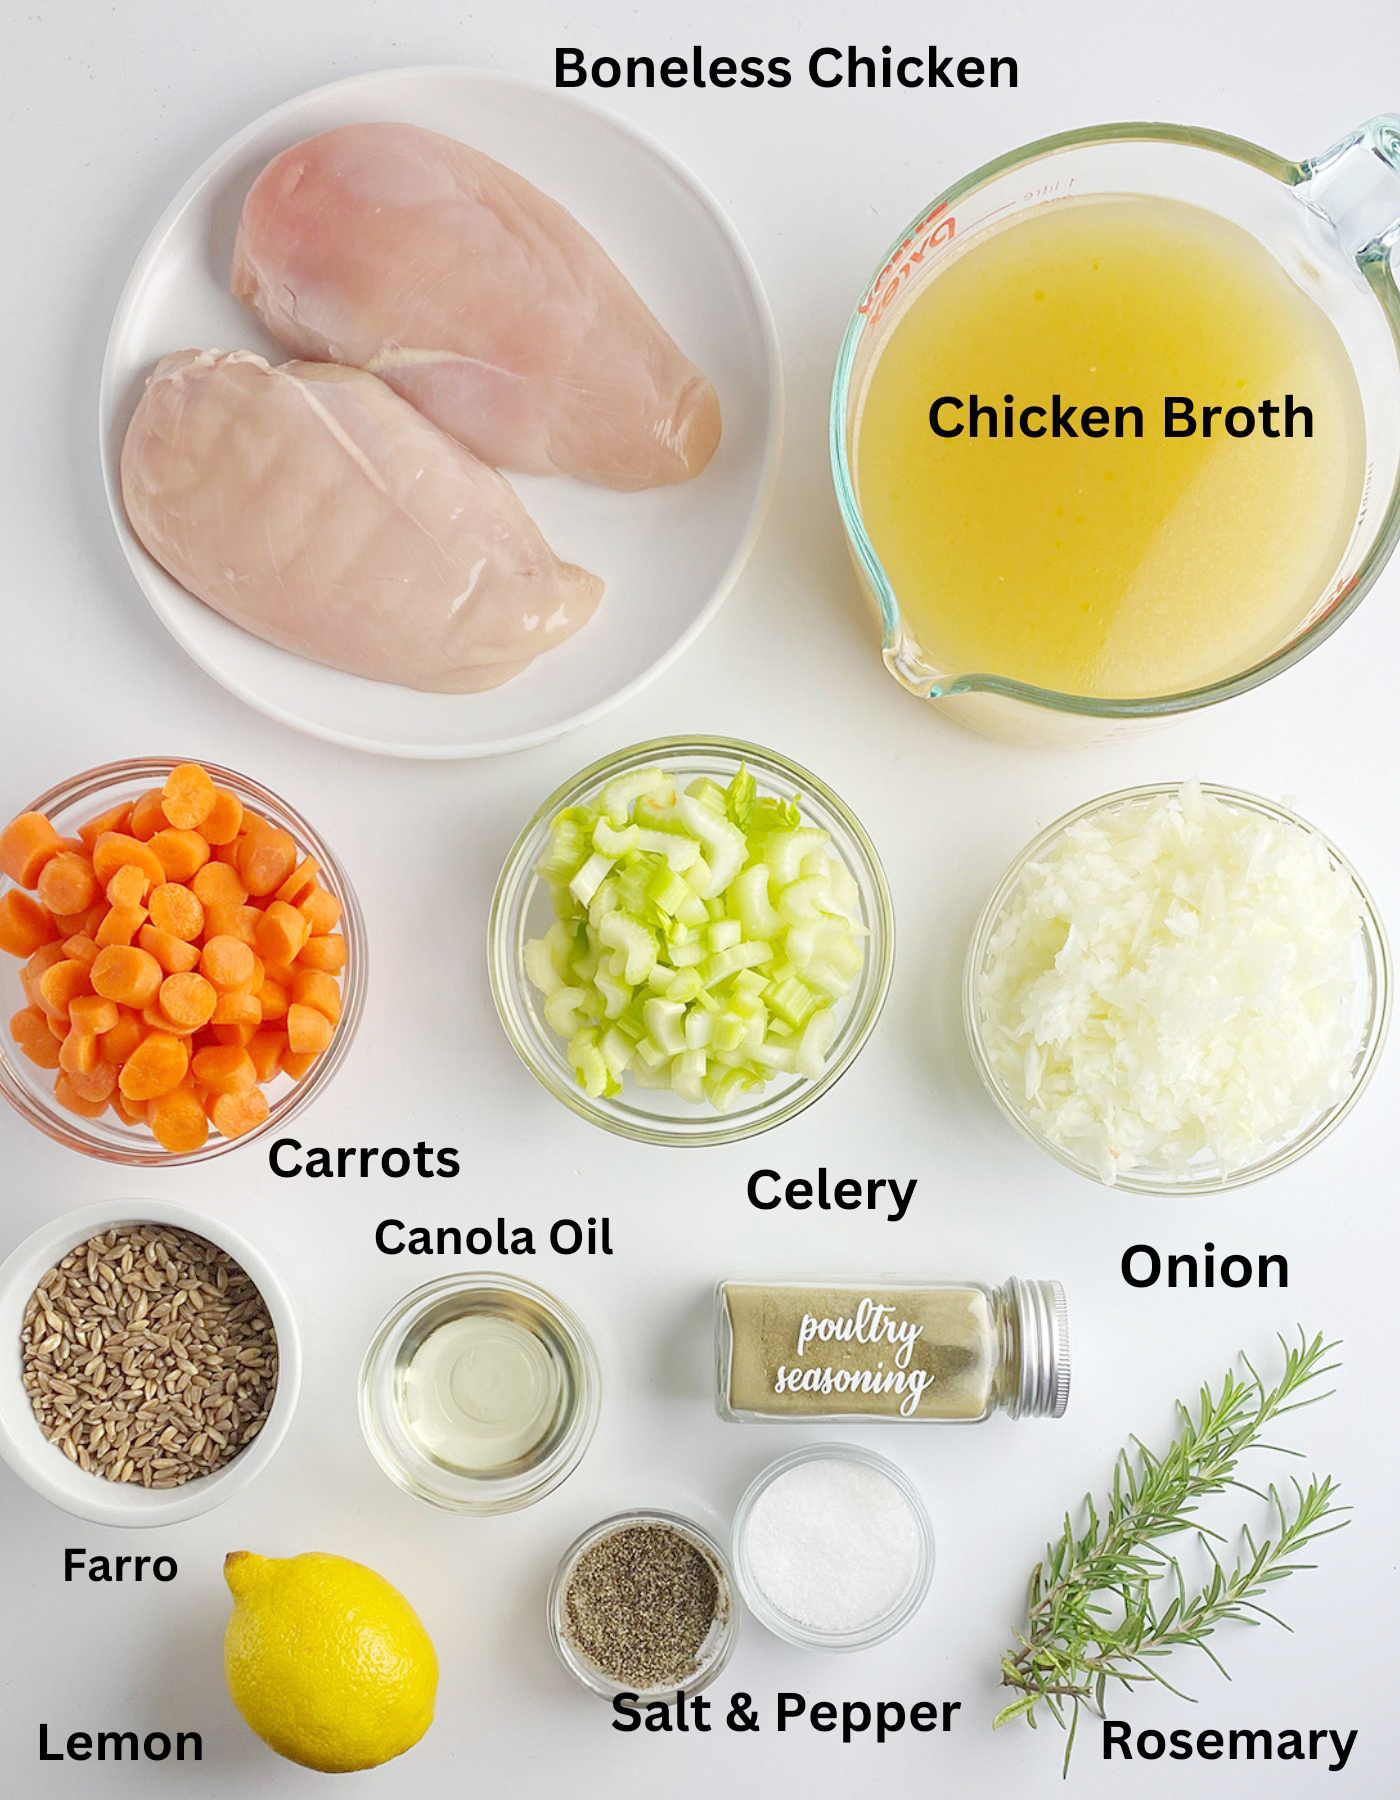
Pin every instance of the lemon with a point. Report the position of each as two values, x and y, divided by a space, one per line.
326 1661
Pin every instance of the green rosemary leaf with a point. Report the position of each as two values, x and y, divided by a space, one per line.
1093 1614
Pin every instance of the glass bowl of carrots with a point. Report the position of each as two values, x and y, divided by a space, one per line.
182 961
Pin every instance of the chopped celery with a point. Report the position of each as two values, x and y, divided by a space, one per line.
589 877
709 793
701 941
749 899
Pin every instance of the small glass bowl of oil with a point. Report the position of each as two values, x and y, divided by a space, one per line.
479 1393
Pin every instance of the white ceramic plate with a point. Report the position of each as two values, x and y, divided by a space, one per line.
668 557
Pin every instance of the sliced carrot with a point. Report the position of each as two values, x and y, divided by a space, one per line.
300 882
122 1039
274 1000
238 1009
178 1121
26 845
67 883
188 1000
60 985
188 796
327 953
265 1051
225 920
176 910
127 974
233 1114
114 848
79 1053
68 1097
322 911
266 857
219 884
128 887
30 1030
180 954
24 924
148 816
282 931
133 1111
224 1031
224 1068
173 954
311 987
308 1030
181 853
93 1013
72 924
224 819
95 1084
116 818
120 925
154 1067
156 1019
229 963
43 958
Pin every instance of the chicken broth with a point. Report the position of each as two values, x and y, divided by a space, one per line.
1109 553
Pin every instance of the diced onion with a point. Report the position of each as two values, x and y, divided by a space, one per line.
1172 985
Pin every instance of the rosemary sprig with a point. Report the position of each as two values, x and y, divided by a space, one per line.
1108 1601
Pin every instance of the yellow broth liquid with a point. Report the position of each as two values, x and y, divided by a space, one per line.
1108 567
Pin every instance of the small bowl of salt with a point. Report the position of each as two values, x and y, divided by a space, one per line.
832 1547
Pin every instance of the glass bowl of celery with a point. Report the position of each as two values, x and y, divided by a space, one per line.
691 941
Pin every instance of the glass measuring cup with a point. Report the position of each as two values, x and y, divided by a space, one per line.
1333 223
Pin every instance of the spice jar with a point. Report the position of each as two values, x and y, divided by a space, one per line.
910 1352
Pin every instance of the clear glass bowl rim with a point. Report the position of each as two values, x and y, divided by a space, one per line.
519 869
1382 283
585 1672
568 1453
69 1129
1138 1181
790 1630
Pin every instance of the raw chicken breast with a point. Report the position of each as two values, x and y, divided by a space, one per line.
313 507
476 297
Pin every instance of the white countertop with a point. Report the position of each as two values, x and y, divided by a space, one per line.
107 110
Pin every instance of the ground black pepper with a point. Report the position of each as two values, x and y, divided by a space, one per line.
640 1604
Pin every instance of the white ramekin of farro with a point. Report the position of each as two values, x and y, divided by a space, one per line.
150 1366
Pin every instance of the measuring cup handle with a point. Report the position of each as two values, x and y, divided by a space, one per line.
1356 186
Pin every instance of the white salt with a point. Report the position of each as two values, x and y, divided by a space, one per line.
833 1544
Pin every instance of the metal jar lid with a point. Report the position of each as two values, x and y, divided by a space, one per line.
1042 1329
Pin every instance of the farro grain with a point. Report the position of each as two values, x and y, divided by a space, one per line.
148 1355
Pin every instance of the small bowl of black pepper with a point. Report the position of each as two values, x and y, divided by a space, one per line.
644 1603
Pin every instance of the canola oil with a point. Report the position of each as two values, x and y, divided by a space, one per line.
1133 563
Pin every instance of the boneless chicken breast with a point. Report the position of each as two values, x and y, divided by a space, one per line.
476 297
311 505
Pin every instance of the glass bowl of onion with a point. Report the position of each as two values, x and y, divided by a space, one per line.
1178 988
691 941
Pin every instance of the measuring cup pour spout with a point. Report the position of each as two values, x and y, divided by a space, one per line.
1356 187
